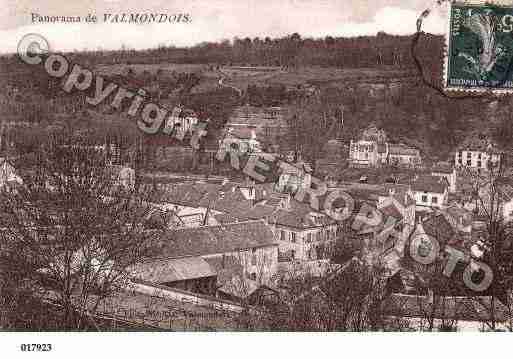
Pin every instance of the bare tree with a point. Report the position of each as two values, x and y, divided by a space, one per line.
350 298
69 233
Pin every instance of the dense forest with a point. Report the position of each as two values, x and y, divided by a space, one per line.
289 51
408 107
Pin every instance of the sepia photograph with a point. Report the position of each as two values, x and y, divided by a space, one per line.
210 172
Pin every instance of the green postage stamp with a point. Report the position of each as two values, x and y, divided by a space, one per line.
479 48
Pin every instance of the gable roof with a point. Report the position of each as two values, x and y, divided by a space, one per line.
391 211
474 143
459 214
438 227
402 150
442 167
173 270
212 240
428 183
239 287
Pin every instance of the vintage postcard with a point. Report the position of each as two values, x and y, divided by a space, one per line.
254 166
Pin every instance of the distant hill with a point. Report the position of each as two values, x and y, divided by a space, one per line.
374 79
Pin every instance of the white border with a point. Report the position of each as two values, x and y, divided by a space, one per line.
259 345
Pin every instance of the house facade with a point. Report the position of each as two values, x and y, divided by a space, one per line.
246 250
430 192
403 155
364 153
476 159
306 238
373 150
478 154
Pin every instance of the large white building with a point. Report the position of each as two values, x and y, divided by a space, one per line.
373 150
478 155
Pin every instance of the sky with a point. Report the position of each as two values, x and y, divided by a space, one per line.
211 20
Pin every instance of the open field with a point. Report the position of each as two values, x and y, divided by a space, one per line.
241 77
119 69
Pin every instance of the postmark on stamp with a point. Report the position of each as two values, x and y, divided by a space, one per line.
479 48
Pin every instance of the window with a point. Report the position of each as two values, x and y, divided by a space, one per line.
434 199
309 238
252 276
254 260
282 235
460 161
424 198
479 164
292 254
293 237
479 156
469 162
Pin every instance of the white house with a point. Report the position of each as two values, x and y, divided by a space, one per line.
430 192
363 153
477 154
373 150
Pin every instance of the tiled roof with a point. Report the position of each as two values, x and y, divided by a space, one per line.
224 198
458 212
173 270
300 215
226 267
188 194
402 150
442 168
391 211
438 227
225 218
430 184
473 143
239 287
212 240
260 211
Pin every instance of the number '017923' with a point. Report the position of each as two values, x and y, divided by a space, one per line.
36 347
